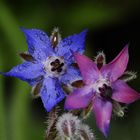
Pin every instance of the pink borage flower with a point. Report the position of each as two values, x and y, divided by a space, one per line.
102 87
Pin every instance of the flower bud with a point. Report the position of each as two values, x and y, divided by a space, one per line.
68 125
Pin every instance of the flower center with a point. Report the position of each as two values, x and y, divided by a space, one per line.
55 66
106 92
103 88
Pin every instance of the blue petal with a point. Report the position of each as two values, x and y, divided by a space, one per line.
39 45
27 71
51 93
70 76
73 43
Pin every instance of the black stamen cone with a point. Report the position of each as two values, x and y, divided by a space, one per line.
106 92
56 66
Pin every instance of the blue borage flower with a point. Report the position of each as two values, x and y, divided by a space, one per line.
48 63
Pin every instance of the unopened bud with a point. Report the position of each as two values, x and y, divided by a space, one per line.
55 37
100 59
68 125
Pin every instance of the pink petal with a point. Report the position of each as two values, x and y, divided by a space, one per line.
87 67
102 110
80 98
123 93
117 67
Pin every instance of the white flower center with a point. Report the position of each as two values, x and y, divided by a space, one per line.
100 83
55 66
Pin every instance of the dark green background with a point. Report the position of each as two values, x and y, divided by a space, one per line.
111 23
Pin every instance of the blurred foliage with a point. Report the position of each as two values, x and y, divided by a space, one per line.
111 25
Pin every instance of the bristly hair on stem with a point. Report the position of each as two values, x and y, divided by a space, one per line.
85 133
70 127
51 124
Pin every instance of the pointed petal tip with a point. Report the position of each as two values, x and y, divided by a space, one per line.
27 31
102 111
83 34
23 29
126 47
117 66
48 108
85 31
105 130
125 50
5 73
1 73
137 97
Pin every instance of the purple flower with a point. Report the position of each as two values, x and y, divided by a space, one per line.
102 87
48 63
